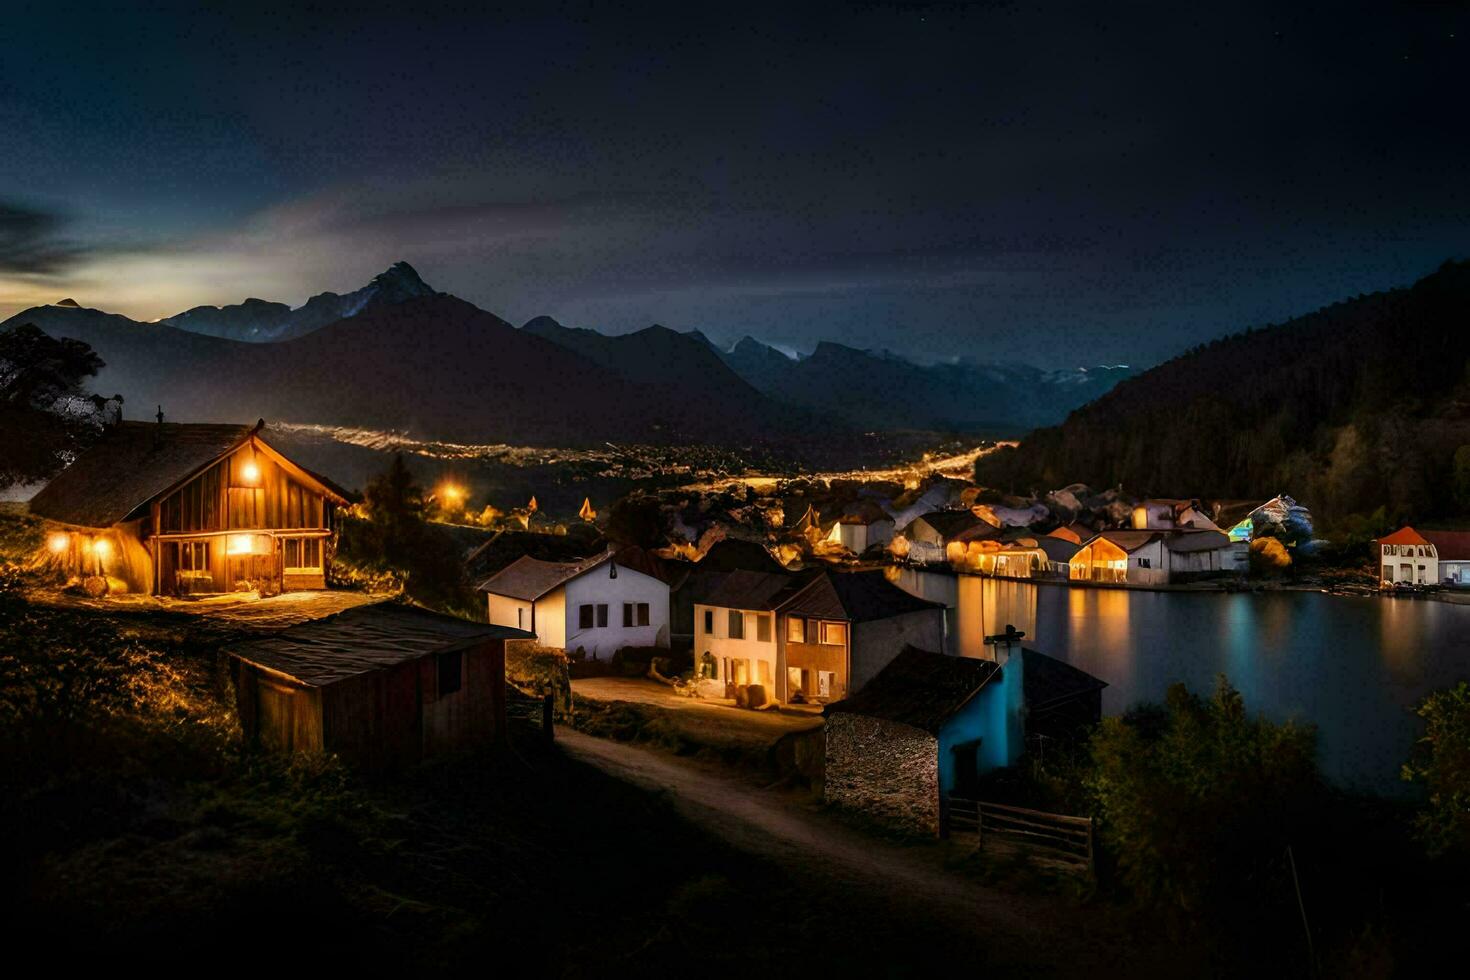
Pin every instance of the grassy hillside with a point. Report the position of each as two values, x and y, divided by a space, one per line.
1357 406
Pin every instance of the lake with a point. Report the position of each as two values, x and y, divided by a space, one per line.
1354 667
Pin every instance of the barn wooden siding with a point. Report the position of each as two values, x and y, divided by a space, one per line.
382 719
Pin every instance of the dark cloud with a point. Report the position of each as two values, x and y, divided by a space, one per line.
31 241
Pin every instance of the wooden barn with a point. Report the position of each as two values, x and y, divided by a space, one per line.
183 509
382 685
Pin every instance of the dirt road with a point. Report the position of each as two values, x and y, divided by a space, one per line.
1035 935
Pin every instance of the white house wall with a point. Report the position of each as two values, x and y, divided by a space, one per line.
505 611
719 644
597 586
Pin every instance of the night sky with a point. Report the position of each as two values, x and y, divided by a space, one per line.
1063 186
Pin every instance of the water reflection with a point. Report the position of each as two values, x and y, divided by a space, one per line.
1354 667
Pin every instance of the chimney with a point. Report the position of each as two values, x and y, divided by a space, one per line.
158 432
1007 644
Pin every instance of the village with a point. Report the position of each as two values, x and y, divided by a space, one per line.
812 600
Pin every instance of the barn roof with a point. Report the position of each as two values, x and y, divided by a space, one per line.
131 464
1057 549
1404 535
530 578
920 689
1450 544
1129 541
857 597
364 639
950 522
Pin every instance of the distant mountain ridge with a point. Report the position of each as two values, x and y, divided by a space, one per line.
262 321
1361 405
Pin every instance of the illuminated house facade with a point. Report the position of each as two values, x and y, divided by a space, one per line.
186 509
598 605
1407 557
1151 557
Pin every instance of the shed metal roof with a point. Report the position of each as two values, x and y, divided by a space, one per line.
365 639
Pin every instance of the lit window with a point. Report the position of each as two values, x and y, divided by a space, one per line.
834 634
795 629
302 554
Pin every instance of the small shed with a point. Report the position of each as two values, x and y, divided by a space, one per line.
383 685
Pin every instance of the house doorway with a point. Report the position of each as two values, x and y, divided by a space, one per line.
967 770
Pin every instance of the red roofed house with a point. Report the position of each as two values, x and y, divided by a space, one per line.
1410 557
1406 558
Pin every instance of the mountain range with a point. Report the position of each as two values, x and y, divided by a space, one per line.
400 355
1361 410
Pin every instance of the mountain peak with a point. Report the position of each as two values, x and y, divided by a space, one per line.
400 281
70 302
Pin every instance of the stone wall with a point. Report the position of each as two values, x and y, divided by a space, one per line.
888 771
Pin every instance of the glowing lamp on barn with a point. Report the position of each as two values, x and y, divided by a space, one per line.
58 543
101 548
244 544
452 494
250 472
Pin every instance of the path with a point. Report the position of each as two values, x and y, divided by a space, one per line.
1036 935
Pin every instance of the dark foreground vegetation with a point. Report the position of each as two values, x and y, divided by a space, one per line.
1219 826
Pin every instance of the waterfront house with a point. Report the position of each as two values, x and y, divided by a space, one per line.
1406 557
1059 553
598 605
185 509
940 527
862 526
942 722
1452 556
1075 532
381 685
1151 557
840 629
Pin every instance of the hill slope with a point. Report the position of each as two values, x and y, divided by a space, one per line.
1359 405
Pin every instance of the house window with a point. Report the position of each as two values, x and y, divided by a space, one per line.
627 614
834 634
584 616
763 628
709 622
451 672
602 614
737 624
642 614
303 554
520 617
1143 563
795 629
194 556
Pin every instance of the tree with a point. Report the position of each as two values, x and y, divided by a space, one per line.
1197 801
396 512
46 415
1460 478
1441 762
638 520
1269 556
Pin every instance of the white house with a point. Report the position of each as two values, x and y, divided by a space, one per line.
1150 557
735 628
1169 515
597 604
1407 558
864 526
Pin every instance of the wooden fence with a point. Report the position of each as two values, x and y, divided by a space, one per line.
1051 837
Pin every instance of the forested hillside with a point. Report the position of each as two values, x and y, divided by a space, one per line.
1361 405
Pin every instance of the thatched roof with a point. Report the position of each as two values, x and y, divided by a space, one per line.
856 597
365 639
920 689
133 463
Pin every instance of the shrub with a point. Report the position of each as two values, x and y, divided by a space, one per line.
1441 762
1269 556
1198 802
